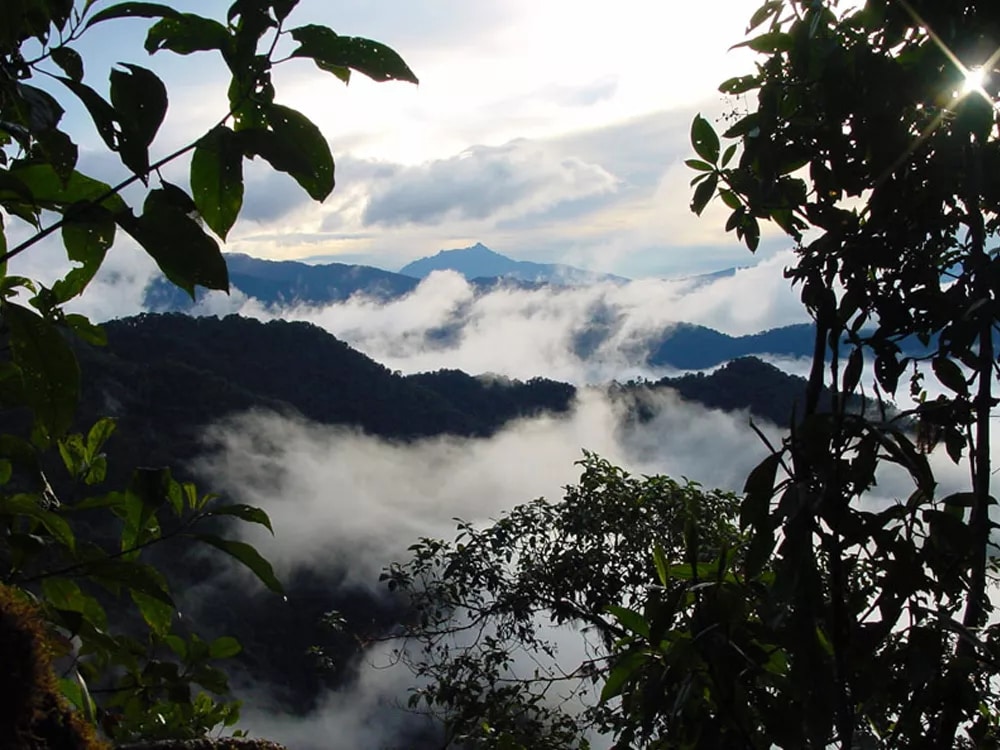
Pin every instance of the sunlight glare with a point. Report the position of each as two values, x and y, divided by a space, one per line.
975 79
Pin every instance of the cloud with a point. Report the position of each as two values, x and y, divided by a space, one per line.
340 498
582 335
516 179
117 289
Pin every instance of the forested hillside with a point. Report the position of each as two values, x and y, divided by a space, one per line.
165 378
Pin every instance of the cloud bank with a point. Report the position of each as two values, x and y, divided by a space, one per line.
582 335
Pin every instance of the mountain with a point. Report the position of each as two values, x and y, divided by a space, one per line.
479 262
166 377
285 282
685 346
277 282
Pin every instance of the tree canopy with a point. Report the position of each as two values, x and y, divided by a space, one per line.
868 136
82 552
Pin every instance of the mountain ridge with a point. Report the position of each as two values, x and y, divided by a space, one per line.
478 262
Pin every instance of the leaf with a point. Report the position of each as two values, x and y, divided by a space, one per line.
140 101
102 113
158 614
703 193
180 247
248 556
332 52
88 232
51 191
69 60
30 506
43 112
293 145
852 372
82 327
771 43
950 375
759 489
138 577
132 10
58 150
217 179
99 434
225 647
763 13
751 232
630 620
739 85
699 165
246 513
49 371
662 565
704 139
621 673
186 33
728 155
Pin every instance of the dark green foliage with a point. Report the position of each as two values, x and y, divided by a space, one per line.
859 147
748 383
80 549
484 606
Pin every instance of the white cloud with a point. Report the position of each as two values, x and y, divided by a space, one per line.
522 333
338 498
517 179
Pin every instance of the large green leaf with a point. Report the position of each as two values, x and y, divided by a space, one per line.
244 512
39 108
624 670
704 193
88 232
248 556
217 179
631 620
225 647
69 60
102 113
293 145
49 371
158 614
138 577
56 148
31 507
180 247
187 33
140 101
704 140
50 191
334 53
133 10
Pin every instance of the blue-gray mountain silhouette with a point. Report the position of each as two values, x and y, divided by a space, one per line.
478 262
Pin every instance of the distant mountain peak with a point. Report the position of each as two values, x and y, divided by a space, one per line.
478 262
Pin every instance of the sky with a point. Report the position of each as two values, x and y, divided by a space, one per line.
551 131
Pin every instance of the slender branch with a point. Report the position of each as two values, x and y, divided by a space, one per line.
72 569
42 234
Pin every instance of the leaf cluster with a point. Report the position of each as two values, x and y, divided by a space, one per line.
487 609
84 551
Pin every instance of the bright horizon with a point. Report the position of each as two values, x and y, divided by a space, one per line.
553 132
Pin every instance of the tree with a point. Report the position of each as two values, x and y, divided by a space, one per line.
65 542
868 134
873 144
487 611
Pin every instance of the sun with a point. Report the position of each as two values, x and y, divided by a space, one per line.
975 79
